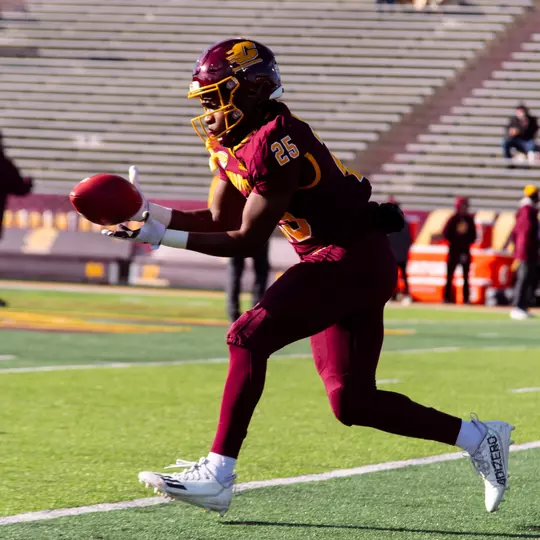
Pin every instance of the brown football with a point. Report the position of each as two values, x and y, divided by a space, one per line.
106 199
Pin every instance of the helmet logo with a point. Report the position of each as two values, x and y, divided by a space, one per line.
243 55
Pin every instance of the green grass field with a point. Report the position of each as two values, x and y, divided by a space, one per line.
151 368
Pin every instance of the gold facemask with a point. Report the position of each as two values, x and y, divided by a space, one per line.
233 115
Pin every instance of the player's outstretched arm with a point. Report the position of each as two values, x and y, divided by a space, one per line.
224 215
260 217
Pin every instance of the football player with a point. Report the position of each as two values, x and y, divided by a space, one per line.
276 171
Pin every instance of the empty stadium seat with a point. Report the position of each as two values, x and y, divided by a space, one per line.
108 84
462 150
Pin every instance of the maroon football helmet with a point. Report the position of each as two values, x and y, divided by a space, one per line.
243 76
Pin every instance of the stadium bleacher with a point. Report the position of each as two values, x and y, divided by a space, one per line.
107 84
462 150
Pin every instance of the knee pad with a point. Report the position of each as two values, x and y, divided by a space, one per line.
352 406
251 331
339 402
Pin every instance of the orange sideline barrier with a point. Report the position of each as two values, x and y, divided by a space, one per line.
426 271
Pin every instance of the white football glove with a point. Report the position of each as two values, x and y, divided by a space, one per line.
157 212
151 232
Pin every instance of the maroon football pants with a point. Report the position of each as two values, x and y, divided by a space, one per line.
337 297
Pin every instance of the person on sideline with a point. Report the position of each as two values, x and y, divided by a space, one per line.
400 243
235 271
11 183
525 238
460 233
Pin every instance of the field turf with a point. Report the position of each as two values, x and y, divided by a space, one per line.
150 372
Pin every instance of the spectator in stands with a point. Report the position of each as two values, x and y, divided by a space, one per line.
12 5
521 132
400 242
525 238
460 233
422 4
11 183
261 268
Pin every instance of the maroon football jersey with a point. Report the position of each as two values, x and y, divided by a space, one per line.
329 198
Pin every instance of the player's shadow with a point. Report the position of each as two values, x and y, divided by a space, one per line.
460 534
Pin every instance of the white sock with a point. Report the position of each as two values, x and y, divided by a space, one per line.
221 466
470 436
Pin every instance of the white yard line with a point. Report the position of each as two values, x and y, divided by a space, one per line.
119 365
153 291
525 390
432 350
340 473
110 365
224 360
392 323
7 357
366 469
106 289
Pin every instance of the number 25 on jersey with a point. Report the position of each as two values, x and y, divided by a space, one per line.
284 150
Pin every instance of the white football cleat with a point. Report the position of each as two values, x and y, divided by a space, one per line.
491 460
406 300
195 485
519 314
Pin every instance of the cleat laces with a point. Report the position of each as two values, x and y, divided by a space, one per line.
480 464
479 460
194 470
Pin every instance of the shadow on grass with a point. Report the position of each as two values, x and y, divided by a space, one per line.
460 534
